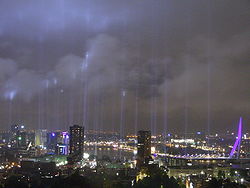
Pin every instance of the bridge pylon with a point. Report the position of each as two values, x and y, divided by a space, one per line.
237 144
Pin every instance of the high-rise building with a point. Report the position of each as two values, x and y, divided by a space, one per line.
40 138
5 137
52 140
64 138
76 140
143 148
62 147
21 139
14 128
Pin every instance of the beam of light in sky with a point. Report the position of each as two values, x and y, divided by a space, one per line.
10 95
47 84
123 94
136 112
85 89
54 54
55 81
85 62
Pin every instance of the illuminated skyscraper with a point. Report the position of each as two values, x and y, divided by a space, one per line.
62 147
76 140
40 137
143 148
52 140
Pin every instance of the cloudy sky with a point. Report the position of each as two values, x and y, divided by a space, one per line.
163 65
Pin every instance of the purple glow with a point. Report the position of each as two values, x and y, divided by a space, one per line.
64 133
85 62
53 134
238 140
55 81
47 83
123 93
65 137
10 95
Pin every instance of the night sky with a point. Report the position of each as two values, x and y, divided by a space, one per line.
164 65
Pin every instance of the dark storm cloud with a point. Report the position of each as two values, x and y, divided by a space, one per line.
8 68
186 55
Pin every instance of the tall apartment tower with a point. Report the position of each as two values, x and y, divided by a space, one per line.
143 148
76 140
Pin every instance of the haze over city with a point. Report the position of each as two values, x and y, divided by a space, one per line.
124 94
124 66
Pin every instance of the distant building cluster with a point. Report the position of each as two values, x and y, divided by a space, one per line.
193 158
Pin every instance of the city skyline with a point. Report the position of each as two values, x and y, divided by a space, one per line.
48 158
124 94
